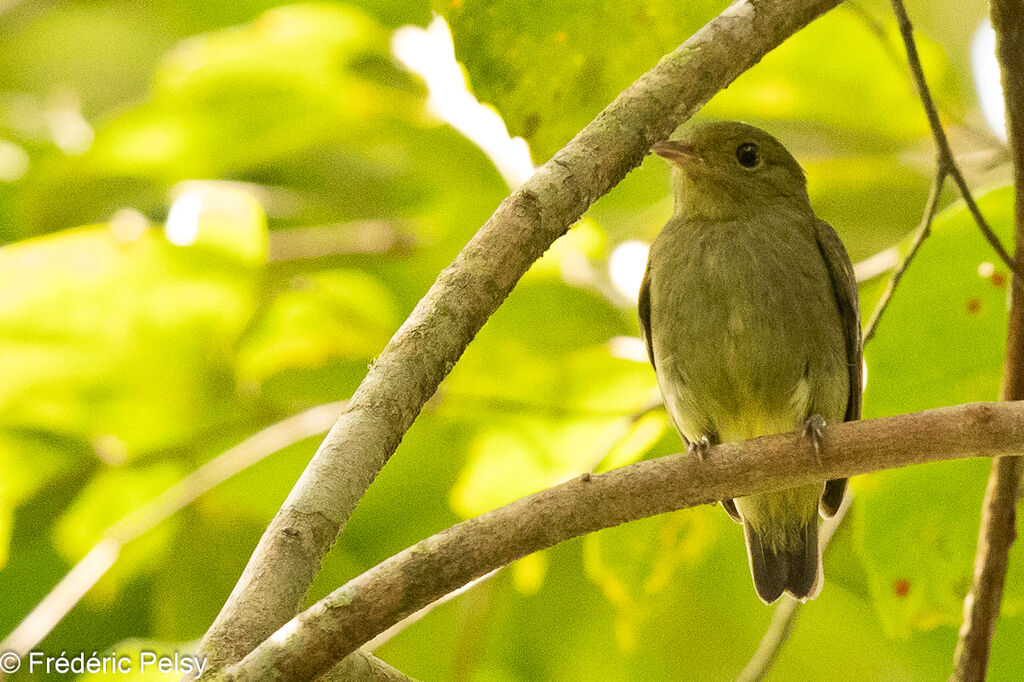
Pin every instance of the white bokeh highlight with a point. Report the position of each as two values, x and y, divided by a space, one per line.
182 226
430 53
985 68
626 266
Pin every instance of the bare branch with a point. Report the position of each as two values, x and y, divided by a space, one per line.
944 151
996 536
999 509
924 229
352 614
467 292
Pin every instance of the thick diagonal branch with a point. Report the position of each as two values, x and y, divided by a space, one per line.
467 292
999 510
341 622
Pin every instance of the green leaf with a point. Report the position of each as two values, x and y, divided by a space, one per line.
636 565
853 65
106 331
110 496
941 342
550 67
332 323
942 339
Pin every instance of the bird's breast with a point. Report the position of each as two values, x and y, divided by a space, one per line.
743 322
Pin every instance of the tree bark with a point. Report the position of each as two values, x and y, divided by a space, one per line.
351 615
467 292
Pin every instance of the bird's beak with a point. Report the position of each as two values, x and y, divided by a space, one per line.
674 150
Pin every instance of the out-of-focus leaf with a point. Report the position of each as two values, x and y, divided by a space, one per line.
330 319
205 557
940 343
27 463
241 97
550 67
107 334
113 335
106 499
637 439
942 339
219 217
528 573
635 565
545 427
308 92
917 533
858 89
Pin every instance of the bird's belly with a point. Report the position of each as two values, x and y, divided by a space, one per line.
737 385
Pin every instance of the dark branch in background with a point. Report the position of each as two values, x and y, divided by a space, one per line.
944 151
924 229
370 603
466 293
999 510
784 617
342 239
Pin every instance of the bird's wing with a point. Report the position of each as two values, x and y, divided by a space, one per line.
643 307
844 288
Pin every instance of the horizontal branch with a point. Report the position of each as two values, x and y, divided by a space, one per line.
341 622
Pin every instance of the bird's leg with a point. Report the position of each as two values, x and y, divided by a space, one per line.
814 430
699 448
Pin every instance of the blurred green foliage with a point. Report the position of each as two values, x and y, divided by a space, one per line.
162 163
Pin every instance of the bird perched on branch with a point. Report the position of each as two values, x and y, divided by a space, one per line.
749 312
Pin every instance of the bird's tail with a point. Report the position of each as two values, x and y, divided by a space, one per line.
782 545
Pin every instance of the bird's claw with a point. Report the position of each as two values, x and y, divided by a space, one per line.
814 431
699 448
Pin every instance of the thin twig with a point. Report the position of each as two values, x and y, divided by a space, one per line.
999 510
95 564
924 229
785 614
945 152
370 603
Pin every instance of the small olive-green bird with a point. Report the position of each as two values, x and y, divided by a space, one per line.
749 312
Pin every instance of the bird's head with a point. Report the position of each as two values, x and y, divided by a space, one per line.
725 169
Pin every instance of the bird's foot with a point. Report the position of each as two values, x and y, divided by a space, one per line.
814 431
699 448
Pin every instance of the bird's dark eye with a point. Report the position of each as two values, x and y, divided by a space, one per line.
748 155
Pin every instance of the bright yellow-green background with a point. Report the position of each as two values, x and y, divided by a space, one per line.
127 361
